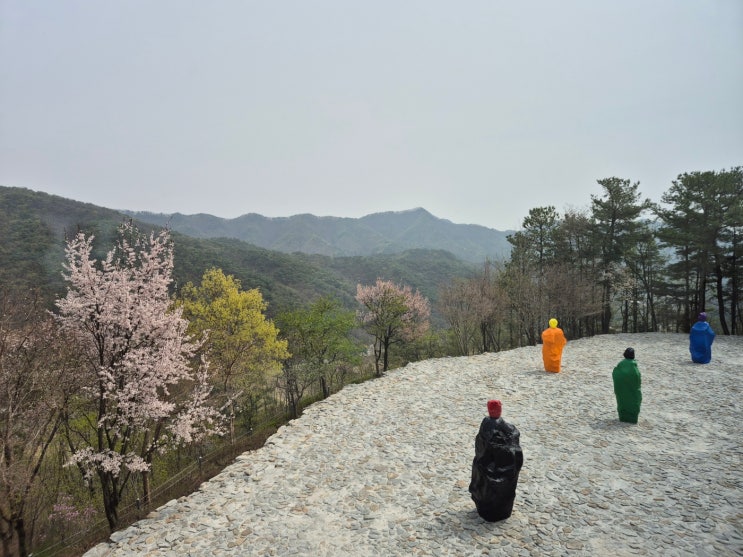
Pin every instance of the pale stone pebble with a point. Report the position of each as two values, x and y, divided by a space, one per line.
383 468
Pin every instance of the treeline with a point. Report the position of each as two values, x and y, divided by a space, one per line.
625 264
134 379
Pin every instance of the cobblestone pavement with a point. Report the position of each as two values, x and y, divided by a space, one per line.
382 468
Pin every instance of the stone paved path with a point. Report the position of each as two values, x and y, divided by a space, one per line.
382 468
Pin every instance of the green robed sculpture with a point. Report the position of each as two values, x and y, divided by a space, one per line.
627 383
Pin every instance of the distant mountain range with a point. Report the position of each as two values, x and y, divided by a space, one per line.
378 233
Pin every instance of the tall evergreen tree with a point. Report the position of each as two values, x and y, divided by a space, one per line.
615 227
702 223
538 230
729 263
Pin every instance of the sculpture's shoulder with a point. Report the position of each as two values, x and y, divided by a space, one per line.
626 366
498 428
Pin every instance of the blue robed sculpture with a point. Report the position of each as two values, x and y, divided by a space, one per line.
701 338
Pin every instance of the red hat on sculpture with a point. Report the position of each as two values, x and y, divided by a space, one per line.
494 408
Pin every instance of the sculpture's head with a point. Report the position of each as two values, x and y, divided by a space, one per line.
494 408
553 323
702 316
629 353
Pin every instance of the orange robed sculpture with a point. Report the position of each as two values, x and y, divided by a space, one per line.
553 341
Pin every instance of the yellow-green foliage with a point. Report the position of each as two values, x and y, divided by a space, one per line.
242 346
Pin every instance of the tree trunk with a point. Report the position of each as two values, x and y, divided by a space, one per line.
293 406
386 354
734 301
701 296
146 491
484 336
625 317
20 528
291 399
606 312
377 356
635 310
6 543
734 286
110 499
721 298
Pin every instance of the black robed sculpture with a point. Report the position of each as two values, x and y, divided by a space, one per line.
495 469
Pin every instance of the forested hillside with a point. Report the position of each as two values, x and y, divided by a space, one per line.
34 225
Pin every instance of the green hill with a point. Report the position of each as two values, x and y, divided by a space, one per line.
34 226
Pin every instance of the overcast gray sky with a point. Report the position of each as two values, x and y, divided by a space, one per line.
476 110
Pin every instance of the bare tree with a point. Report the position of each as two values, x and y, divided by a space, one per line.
36 383
459 304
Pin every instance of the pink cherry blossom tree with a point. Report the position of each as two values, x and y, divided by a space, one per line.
392 314
142 394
